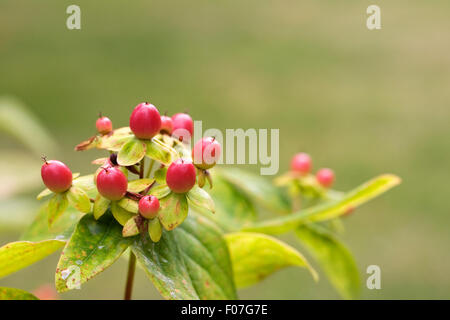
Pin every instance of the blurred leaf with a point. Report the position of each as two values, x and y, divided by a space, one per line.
139 185
120 214
93 247
160 175
16 120
56 207
15 294
333 257
255 256
154 230
190 262
61 229
17 255
328 210
200 199
100 206
258 188
131 152
160 191
129 205
158 151
16 213
130 228
173 211
79 199
44 193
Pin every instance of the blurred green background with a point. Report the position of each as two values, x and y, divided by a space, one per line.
362 102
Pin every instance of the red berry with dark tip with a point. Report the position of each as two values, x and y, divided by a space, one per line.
145 121
166 125
112 183
325 177
56 176
104 125
301 163
183 126
149 207
180 177
206 153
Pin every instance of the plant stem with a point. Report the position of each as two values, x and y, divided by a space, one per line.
141 171
150 168
130 276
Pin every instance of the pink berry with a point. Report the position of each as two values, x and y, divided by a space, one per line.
325 177
149 207
206 153
112 183
145 121
166 125
56 176
180 176
301 163
104 125
183 126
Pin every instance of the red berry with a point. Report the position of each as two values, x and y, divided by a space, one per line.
104 125
325 177
301 163
145 121
112 183
149 207
181 176
206 153
166 125
56 176
183 126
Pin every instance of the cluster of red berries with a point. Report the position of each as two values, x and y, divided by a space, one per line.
301 163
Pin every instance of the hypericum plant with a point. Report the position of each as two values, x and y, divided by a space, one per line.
149 197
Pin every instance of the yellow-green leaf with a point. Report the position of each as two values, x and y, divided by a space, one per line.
154 230
130 228
131 152
120 214
160 191
159 151
56 207
173 211
100 206
160 175
201 199
79 199
129 205
255 256
44 193
139 185
15 294
328 210
20 254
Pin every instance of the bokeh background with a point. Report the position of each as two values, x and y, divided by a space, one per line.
362 102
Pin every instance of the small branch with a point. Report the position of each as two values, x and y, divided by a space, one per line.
148 188
141 172
130 276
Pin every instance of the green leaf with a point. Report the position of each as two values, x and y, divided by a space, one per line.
201 199
17 255
137 186
233 208
328 210
159 151
100 206
160 191
130 228
258 188
120 214
44 193
173 211
129 205
79 199
87 184
154 229
255 256
115 141
15 294
61 229
56 207
333 257
93 247
131 152
190 262
160 175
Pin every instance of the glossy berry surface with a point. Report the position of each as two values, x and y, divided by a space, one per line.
166 125
301 163
325 177
145 121
149 207
206 153
182 124
112 183
56 176
104 125
180 176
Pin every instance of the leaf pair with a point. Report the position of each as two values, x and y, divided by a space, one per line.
134 150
